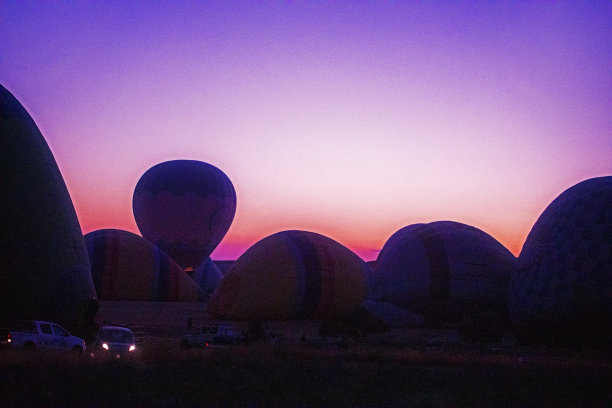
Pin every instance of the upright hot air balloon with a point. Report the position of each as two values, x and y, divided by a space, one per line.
185 207
441 272
561 290
289 275
44 269
125 266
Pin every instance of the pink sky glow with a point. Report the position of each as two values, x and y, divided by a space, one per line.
350 119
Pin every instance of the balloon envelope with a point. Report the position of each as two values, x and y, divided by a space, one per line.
562 285
443 271
185 207
207 276
292 274
44 269
126 266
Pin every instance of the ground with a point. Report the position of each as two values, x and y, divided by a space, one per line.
401 368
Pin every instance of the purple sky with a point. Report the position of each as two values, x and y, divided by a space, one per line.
350 119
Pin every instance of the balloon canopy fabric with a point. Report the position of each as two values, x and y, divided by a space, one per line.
442 271
207 276
44 269
292 274
185 207
562 286
126 266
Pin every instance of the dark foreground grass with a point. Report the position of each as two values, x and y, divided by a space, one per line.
297 376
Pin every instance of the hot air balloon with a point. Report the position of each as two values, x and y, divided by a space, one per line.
562 287
292 275
441 272
125 266
185 207
207 276
44 269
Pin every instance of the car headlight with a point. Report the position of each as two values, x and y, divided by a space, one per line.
105 346
132 347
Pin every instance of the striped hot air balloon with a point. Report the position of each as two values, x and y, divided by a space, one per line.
126 266
443 272
292 275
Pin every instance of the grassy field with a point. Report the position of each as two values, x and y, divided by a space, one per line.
390 370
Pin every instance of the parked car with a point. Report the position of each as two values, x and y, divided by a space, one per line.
209 336
31 334
115 340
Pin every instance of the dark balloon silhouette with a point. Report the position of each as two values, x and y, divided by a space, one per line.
125 266
292 274
440 272
562 288
44 269
207 276
185 207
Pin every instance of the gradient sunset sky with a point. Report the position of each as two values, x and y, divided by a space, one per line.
350 119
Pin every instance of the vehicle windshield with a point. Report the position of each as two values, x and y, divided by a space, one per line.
116 336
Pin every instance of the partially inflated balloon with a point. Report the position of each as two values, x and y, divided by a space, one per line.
207 276
125 266
562 286
442 271
44 269
185 207
292 274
